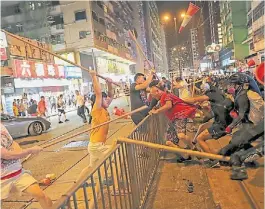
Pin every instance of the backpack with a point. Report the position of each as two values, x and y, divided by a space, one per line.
256 112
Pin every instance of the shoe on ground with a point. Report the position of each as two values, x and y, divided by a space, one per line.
60 122
66 120
239 173
212 163
181 159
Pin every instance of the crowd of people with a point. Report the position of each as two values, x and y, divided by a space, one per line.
235 101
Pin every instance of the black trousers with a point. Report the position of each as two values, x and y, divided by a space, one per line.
243 137
81 112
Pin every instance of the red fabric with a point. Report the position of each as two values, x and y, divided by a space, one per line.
228 130
180 109
11 175
42 106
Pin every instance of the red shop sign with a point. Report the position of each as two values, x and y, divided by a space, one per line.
24 69
3 54
52 70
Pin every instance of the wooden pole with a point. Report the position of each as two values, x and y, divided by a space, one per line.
173 149
55 55
85 131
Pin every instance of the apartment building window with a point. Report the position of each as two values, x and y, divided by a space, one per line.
17 9
100 4
102 21
258 35
80 15
31 5
94 16
19 27
258 11
83 34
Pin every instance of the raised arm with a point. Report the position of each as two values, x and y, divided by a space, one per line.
199 99
145 84
97 90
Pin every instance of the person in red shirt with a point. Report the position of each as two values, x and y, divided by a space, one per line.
42 107
177 111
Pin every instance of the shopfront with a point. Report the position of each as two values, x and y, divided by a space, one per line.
36 79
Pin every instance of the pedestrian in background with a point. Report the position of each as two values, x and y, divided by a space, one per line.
126 91
15 109
42 107
80 101
61 108
22 108
32 110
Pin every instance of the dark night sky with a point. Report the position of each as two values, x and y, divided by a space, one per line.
175 8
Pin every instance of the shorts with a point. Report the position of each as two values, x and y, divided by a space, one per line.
19 183
96 151
60 111
217 130
176 127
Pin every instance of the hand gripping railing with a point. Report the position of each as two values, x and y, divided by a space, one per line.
122 178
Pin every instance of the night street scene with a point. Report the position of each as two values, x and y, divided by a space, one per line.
132 104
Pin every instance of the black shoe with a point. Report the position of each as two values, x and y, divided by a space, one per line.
239 173
181 159
60 121
66 120
212 163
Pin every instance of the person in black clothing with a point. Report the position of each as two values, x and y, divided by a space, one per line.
247 133
249 155
221 107
138 96
167 84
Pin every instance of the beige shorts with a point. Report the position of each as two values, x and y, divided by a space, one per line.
18 183
96 151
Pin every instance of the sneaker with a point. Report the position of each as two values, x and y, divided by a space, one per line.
60 121
212 163
239 173
66 120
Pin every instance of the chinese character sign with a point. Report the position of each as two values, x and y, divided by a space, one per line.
3 54
31 69
24 69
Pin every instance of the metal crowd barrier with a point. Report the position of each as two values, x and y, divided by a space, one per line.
122 178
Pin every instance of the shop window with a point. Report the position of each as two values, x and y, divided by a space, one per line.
80 15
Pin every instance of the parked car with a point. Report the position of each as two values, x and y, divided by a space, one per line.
25 126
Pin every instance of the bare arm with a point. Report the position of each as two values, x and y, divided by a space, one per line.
17 153
145 84
97 90
196 99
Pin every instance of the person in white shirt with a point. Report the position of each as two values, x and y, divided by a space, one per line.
80 101
12 173
61 108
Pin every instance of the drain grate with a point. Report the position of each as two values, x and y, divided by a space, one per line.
74 144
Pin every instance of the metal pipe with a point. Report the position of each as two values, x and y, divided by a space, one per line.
175 150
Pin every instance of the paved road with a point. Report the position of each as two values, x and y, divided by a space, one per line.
65 163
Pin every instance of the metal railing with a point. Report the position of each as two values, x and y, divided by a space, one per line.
123 177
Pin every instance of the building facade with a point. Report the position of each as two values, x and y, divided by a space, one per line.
153 35
255 25
234 30
215 21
